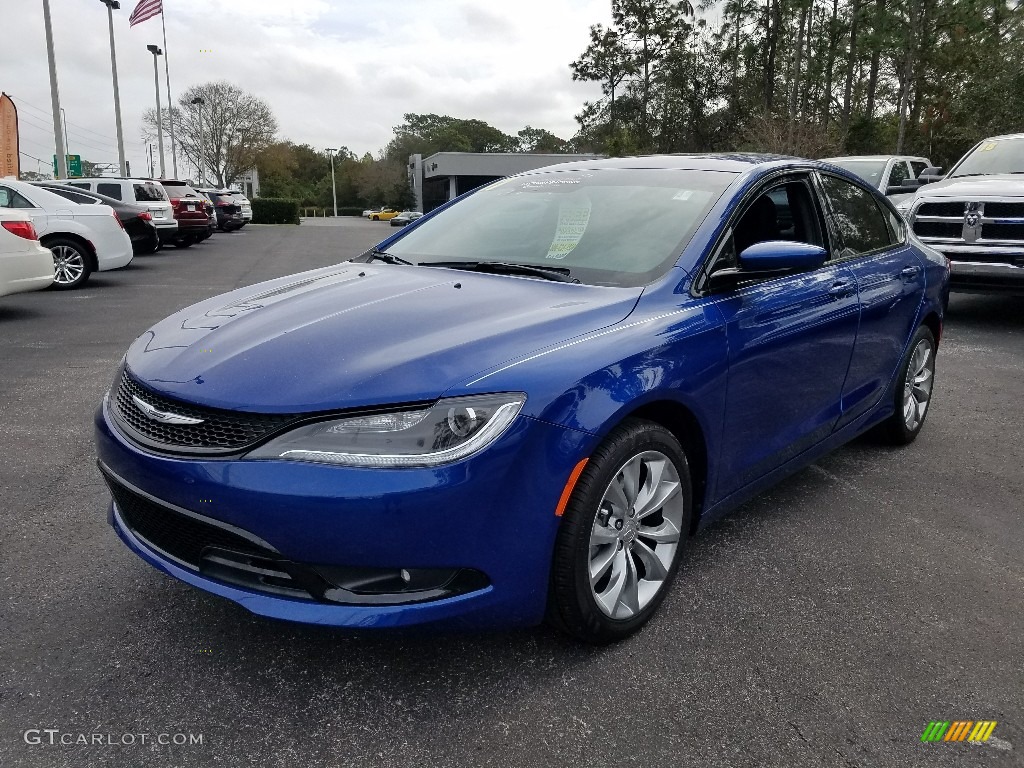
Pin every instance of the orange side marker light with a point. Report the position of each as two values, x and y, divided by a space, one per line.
569 485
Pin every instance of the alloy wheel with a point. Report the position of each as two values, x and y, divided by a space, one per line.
635 534
68 264
917 387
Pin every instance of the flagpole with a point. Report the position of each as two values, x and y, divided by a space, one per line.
170 101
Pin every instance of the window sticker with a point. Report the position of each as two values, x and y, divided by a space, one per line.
683 194
572 223
989 147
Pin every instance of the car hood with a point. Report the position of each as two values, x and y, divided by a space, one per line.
1005 185
359 335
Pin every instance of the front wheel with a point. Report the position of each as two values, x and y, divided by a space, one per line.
622 535
913 392
70 264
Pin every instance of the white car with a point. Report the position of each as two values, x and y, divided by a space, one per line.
82 238
244 203
139 192
25 265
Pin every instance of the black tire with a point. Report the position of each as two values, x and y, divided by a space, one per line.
572 602
184 242
900 429
72 263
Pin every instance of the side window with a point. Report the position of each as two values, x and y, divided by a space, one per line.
110 190
917 166
79 184
856 217
898 174
11 199
786 211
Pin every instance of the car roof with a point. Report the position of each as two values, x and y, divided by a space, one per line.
1005 136
134 179
732 162
872 157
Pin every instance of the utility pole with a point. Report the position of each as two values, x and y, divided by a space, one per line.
62 158
155 50
334 188
114 5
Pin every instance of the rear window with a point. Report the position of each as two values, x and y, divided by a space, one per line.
181 190
110 190
149 193
74 197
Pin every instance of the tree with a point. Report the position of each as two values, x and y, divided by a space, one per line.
540 141
224 135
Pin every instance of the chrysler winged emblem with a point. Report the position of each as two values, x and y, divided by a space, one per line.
164 417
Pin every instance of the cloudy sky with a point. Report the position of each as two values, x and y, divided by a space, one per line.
335 72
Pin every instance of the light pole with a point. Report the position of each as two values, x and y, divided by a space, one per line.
114 5
155 50
64 118
334 188
199 101
62 158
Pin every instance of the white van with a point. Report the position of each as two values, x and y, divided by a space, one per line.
137 191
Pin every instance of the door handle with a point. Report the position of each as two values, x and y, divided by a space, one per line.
910 273
840 289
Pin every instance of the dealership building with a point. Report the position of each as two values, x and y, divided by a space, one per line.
446 175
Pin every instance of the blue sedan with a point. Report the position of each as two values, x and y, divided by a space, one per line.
523 405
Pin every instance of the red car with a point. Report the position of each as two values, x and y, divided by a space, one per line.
190 212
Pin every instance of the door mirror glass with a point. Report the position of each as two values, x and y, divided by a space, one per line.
930 174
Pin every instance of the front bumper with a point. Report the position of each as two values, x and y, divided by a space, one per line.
492 514
976 277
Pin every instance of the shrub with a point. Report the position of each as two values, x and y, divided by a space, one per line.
275 210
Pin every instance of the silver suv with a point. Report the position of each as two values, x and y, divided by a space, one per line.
975 216
137 191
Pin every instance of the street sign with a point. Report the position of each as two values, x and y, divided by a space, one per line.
74 166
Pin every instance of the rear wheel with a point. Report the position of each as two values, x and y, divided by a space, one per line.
71 263
913 393
186 241
622 536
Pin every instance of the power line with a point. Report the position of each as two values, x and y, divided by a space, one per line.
50 115
90 143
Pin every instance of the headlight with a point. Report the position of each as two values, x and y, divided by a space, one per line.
450 430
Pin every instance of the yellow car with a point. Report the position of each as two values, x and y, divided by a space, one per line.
383 215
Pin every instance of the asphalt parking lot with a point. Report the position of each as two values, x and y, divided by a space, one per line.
823 624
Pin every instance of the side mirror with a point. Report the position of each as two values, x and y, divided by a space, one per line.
782 256
930 175
908 187
769 259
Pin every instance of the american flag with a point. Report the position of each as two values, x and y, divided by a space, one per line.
145 10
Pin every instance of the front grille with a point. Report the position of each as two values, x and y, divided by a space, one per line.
221 431
180 536
941 209
1002 231
938 229
999 210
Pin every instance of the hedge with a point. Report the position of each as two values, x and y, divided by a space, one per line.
275 210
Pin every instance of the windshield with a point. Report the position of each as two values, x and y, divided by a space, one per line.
869 170
610 227
992 156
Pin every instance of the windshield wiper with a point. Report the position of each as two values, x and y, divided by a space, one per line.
387 258
558 274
